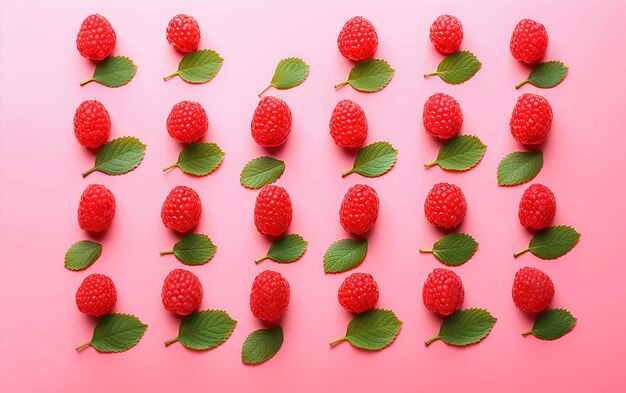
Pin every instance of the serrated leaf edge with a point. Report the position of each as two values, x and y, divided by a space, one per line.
177 338
354 168
346 337
437 337
437 161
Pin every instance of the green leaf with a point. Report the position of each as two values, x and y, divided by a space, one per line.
116 333
465 327
286 249
193 249
290 72
460 153
546 75
372 330
519 167
119 156
374 160
114 71
261 172
261 345
552 242
454 249
204 330
552 324
199 159
344 255
457 67
82 254
198 67
369 75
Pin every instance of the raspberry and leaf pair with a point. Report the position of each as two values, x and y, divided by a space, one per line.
116 333
199 159
118 156
193 249
453 249
464 327
204 330
372 330
552 242
461 153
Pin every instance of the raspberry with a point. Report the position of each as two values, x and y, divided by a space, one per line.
443 292
96 208
96 38
182 209
92 124
445 205
272 211
358 293
187 122
348 124
183 33
529 41
532 290
442 116
271 122
269 297
358 39
446 34
531 119
359 209
537 207
182 292
96 295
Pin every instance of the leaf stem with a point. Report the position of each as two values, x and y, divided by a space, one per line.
430 340
426 251
84 174
83 83
337 341
527 332
347 172
170 341
83 346
522 83
341 84
429 164
261 259
266 89
517 254
431 74
173 74
170 167
166 252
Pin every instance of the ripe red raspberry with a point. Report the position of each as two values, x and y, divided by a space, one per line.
271 122
358 293
348 124
537 207
358 39
445 205
443 292
182 292
446 34
92 124
359 209
187 122
96 38
531 119
529 41
532 290
183 33
269 297
272 211
182 209
96 208
96 295
442 116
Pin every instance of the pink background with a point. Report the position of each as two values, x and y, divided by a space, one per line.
40 166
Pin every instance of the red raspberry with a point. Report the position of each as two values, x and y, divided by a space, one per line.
442 116
271 122
96 295
187 122
182 209
529 41
96 38
269 297
532 290
358 39
182 292
537 207
359 209
446 34
445 205
531 119
358 293
96 208
348 124
183 33
443 292
272 211
92 124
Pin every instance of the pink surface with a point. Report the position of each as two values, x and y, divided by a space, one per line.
40 166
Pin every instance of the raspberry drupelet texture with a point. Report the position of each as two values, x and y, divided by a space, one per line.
182 292
443 292
269 297
442 116
537 207
183 33
96 208
181 209
96 38
187 122
359 209
531 119
271 122
445 205
272 211
446 34
533 290
358 39
358 293
92 124
96 295
348 124
529 41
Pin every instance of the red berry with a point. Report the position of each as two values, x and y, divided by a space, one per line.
92 124
269 297
529 41
358 293
348 124
96 295
187 122
358 39
272 211
359 209
182 209
446 34
531 119
443 292
183 33
96 208
532 290
537 207
182 292
442 116
96 38
271 122
445 205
